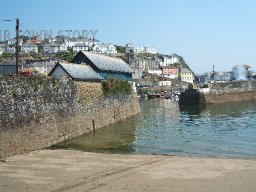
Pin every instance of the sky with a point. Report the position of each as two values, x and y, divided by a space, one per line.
204 32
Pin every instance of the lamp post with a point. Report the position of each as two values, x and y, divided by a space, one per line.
17 50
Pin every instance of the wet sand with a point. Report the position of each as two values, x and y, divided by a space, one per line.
66 170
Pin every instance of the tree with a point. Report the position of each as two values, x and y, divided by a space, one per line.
67 56
120 49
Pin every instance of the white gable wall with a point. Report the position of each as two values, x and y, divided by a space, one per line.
59 72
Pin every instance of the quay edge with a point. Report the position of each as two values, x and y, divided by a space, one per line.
219 93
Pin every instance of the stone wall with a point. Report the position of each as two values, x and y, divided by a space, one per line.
38 112
88 92
229 97
233 87
231 91
191 97
220 93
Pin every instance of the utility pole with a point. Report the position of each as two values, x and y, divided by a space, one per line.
17 50
17 45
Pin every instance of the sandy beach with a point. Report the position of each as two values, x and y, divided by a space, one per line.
66 170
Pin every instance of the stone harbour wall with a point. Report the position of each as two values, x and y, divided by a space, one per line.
231 91
221 93
212 98
38 112
88 92
233 87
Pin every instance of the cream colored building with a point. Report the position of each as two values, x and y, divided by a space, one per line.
186 75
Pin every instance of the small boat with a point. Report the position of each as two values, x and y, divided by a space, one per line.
151 95
168 96
143 95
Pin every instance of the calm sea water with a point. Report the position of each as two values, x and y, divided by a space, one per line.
226 130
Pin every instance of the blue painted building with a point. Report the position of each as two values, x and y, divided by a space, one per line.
105 66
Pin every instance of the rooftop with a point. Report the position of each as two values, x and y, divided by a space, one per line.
80 71
80 45
9 63
108 63
185 70
43 64
168 67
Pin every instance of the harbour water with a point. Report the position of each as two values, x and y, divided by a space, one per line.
225 130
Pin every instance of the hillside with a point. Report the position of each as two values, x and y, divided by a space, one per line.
125 56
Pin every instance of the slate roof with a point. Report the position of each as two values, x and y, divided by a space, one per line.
104 45
80 45
156 69
43 64
168 67
185 70
9 63
107 63
29 44
244 66
79 71
52 45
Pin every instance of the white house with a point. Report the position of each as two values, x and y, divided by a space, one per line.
105 48
12 41
70 43
165 83
29 47
62 48
50 48
222 76
150 50
131 48
54 48
89 42
3 48
145 50
50 39
175 59
155 71
43 68
80 47
139 49
10 49
166 61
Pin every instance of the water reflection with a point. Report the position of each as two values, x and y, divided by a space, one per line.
228 109
192 109
226 130
117 138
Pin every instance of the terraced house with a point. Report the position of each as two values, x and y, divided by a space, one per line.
186 75
29 47
170 72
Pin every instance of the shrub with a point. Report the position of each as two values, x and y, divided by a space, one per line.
114 86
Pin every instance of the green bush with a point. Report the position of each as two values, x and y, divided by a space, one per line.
114 86
67 56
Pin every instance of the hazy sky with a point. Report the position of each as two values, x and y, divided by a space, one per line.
204 32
